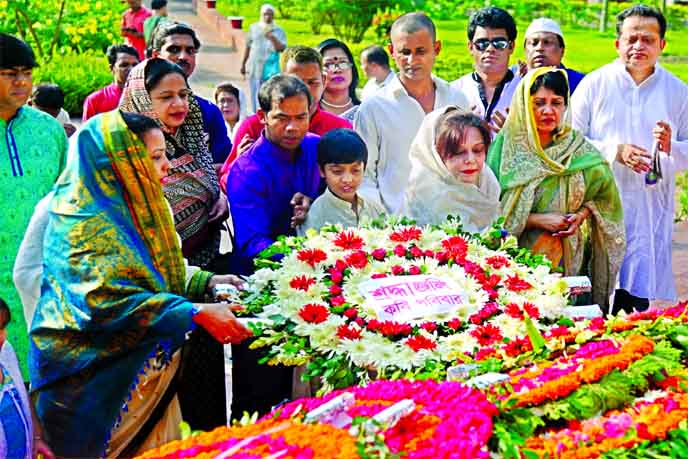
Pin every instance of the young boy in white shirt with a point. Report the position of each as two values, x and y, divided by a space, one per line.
342 159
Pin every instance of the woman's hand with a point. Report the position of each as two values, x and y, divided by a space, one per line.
218 320
226 279
550 222
220 209
575 221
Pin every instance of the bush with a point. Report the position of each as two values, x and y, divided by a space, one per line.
83 25
77 74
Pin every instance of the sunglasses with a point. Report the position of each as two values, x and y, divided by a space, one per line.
332 66
481 44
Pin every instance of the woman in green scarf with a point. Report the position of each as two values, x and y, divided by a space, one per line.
558 196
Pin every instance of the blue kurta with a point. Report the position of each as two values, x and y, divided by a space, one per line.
260 187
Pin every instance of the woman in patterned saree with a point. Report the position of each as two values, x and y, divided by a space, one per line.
113 312
558 193
158 88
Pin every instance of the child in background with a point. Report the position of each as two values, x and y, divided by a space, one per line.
342 159
49 98
20 432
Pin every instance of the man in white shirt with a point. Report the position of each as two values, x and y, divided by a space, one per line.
375 64
625 108
390 119
489 89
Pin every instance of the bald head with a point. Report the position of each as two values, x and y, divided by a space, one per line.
413 22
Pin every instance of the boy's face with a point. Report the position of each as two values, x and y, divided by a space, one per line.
344 179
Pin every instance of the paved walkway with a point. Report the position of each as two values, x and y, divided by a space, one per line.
217 61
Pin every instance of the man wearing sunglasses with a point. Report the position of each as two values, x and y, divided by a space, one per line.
177 43
489 88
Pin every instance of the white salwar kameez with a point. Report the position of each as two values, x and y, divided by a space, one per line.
610 109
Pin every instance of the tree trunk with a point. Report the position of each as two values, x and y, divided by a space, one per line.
603 15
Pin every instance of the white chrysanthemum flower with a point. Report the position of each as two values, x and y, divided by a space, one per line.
511 327
262 278
551 306
455 346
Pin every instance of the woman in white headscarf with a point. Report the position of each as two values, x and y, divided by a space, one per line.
448 173
264 41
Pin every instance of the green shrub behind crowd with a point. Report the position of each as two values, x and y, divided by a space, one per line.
78 74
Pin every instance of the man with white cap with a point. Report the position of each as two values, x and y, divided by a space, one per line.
544 46
263 41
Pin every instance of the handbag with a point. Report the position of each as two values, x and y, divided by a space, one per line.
271 66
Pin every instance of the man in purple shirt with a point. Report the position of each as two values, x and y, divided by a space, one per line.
269 185
177 43
122 59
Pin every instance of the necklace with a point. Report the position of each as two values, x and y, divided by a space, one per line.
348 102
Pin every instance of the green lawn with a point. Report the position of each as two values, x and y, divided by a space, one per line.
586 49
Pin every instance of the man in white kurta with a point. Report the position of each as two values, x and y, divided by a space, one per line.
389 120
623 108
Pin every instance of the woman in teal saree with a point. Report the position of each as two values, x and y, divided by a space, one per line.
558 195
113 311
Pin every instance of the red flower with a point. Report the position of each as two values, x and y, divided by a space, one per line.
419 342
379 254
429 326
398 270
406 234
454 324
512 310
389 328
561 330
487 334
337 300
314 313
429 254
348 240
336 276
516 284
302 283
442 257
378 275
399 250
416 252
348 332
518 346
596 324
311 256
415 270
351 313
498 261
357 259
335 289
456 246
359 320
532 310
485 353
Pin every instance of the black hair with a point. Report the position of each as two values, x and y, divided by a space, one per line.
156 69
278 88
642 11
5 314
226 86
413 22
450 132
332 43
376 54
554 81
492 18
114 50
48 95
15 53
165 29
139 124
158 4
341 146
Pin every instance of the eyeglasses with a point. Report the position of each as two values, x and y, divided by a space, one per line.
481 44
332 66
